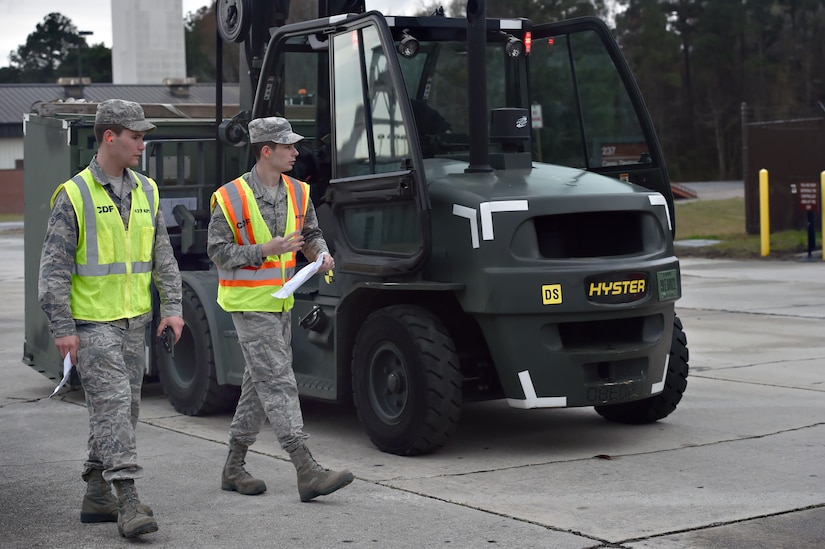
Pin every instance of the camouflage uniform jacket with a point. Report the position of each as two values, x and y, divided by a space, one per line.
60 245
227 254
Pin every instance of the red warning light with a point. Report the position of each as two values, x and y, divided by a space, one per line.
528 42
551 41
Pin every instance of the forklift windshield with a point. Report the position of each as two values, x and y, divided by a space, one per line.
580 113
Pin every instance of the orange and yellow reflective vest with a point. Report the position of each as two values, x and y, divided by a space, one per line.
251 288
112 274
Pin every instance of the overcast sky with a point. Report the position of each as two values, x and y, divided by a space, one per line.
20 17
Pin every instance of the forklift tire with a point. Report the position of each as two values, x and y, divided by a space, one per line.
187 375
406 380
659 406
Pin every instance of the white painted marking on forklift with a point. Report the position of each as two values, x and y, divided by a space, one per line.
510 24
531 400
659 200
489 208
657 388
468 213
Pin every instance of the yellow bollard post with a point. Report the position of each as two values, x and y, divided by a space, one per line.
821 208
764 213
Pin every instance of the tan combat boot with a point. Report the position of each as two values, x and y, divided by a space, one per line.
235 477
314 480
131 520
99 504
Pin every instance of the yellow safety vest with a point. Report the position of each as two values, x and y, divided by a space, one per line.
251 288
112 273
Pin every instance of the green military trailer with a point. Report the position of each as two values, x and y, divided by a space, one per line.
496 201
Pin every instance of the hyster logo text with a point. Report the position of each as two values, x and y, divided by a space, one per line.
618 287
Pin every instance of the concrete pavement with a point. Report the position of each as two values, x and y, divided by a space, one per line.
739 464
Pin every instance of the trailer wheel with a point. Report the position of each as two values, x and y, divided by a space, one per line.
406 380
659 406
188 378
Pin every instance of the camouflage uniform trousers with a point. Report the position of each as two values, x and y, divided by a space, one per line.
268 390
111 362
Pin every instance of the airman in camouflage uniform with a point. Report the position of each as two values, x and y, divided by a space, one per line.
263 323
109 350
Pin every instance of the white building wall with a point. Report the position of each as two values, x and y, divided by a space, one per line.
147 41
11 150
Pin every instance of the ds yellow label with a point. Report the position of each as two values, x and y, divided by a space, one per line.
551 294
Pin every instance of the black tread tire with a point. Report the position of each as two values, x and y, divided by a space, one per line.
659 406
189 379
406 380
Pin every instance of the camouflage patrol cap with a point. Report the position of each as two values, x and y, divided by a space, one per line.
274 129
123 113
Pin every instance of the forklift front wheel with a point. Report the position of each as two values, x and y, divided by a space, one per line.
406 380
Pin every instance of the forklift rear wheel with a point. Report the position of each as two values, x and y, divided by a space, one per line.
406 380
659 406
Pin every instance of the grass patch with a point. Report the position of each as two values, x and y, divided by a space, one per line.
716 219
4 218
724 220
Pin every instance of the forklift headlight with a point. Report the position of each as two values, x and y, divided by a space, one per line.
408 46
514 47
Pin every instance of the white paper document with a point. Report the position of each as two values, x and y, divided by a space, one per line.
300 277
67 370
